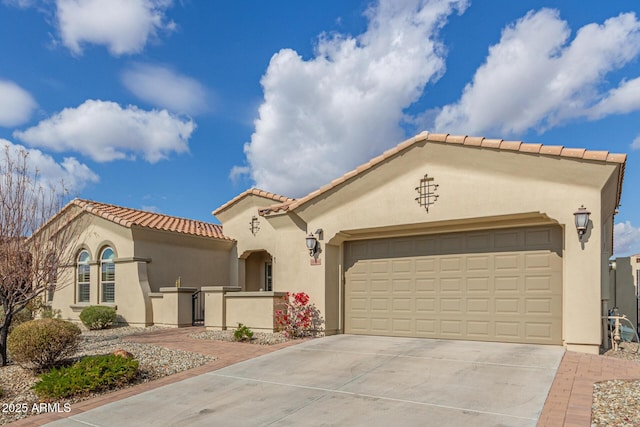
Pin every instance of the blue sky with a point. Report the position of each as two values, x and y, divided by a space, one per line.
178 106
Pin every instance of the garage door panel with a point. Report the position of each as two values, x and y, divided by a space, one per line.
426 265
378 286
540 283
426 328
508 331
479 329
537 261
478 285
451 284
507 286
506 262
508 306
425 306
380 305
479 305
538 237
478 241
451 328
504 240
478 264
425 285
451 305
451 265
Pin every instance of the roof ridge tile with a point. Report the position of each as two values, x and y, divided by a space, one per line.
473 141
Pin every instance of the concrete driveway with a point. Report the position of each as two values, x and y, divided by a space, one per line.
354 380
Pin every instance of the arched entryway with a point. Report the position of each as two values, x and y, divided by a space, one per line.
255 271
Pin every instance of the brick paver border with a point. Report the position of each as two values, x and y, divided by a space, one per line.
571 395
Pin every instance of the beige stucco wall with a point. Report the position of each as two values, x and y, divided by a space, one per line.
479 188
146 260
253 309
198 261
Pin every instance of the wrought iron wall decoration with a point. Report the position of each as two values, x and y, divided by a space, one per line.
426 192
254 225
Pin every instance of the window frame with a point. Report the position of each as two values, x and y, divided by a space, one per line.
83 276
268 276
107 276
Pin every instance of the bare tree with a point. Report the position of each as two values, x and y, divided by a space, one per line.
30 248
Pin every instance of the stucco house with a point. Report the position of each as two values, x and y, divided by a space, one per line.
443 236
126 258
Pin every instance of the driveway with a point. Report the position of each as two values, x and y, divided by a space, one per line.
354 380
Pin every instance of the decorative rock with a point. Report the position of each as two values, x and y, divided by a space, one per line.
123 353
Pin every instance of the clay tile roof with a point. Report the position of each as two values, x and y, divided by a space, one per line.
470 141
128 217
255 192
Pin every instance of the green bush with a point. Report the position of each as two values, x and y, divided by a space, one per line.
40 344
98 316
92 373
242 333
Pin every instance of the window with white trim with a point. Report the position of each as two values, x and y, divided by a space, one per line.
84 277
108 275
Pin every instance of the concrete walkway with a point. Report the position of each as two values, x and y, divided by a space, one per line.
227 353
568 402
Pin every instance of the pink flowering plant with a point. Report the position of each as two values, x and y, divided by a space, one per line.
298 318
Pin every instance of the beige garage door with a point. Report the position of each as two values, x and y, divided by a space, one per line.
502 285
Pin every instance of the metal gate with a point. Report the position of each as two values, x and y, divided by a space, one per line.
197 309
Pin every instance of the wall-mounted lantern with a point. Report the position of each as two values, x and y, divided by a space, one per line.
312 242
582 220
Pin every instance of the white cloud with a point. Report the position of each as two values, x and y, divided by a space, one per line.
70 172
123 26
635 145
22 4
623 99
534 78
16 104
626 239
178 93
323 116
104 131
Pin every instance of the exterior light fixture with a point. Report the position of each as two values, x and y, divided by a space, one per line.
312 242
582 220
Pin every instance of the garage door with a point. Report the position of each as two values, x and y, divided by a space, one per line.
502 285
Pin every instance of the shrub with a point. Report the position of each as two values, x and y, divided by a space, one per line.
98 316
242 333
92 373
40 344
299 318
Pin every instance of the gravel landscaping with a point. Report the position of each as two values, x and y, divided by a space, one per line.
155 362
617 403
261 338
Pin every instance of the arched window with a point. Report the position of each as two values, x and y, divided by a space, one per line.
108 275
84 276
